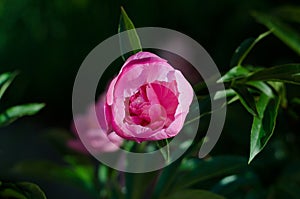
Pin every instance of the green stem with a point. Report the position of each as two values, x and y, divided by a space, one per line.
168 151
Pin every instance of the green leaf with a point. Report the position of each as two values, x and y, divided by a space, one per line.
233 74
134 40
296 100
234 186
281 92
102 173
290 13
15 112
195 194
246 98
165 179
21 190
243 50
5 81
232 100
288 73
81 168
224 93
11 193
32 191
195 170
229 93
263 125
78 175
285 33
262 87
140 180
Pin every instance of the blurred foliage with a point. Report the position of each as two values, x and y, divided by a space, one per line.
48 40
21 190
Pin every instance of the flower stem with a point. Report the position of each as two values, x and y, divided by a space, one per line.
168 151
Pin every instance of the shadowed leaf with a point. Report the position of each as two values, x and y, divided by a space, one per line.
288 73
21 190
243 50
285 33
196 170
195 194
246 98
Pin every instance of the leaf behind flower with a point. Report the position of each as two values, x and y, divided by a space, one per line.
126 24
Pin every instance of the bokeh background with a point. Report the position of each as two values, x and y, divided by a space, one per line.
48 40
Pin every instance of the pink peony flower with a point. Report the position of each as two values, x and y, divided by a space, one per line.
98 140
148 100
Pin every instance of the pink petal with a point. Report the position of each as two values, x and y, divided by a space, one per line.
165 97
110 91
141 56
158 117
77 145
98 141
81 124
186 93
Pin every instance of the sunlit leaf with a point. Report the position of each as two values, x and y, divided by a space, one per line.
263 124
232 100
287 34
133 38
234 73
15 112
224 93
195 194
288 73
5 81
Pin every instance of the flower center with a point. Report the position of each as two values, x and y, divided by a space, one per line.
139 106
153 105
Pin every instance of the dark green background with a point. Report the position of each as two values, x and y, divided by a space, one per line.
47 41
